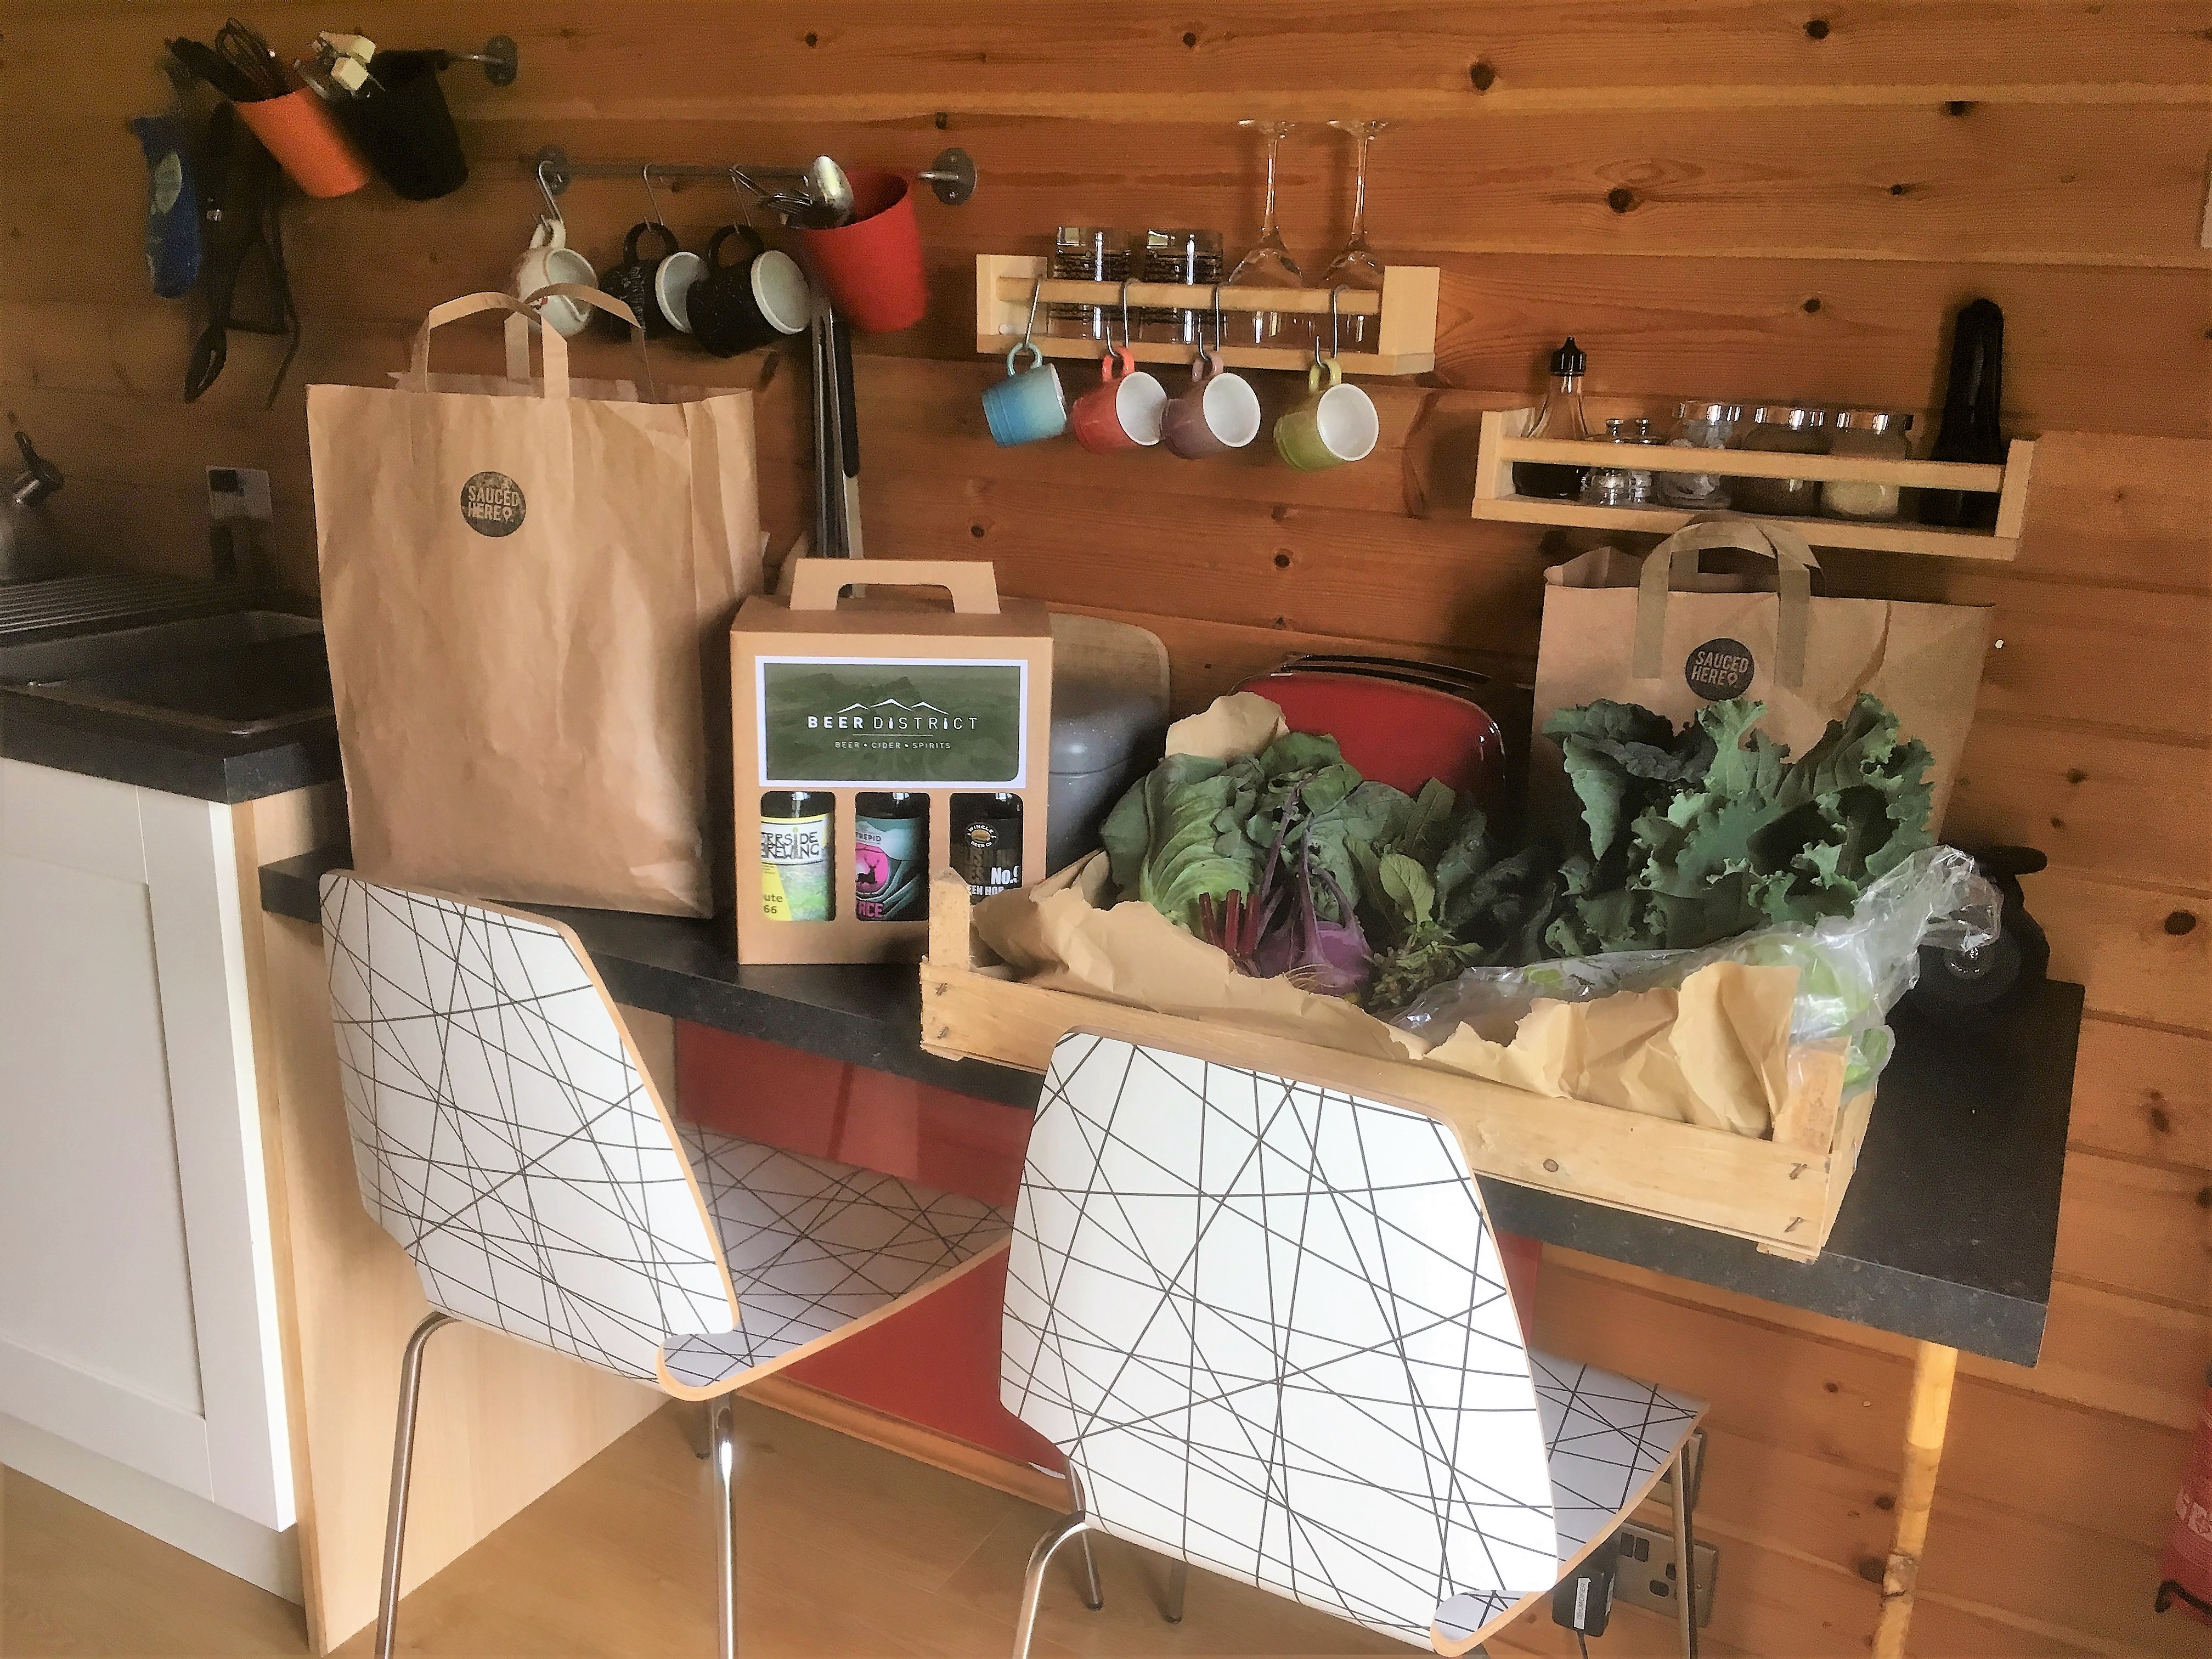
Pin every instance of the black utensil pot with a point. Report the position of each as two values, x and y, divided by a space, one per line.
405 131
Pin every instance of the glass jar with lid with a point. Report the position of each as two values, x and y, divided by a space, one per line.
1192 257
1783 429
1611 485
1088 253
1699 425
1876 434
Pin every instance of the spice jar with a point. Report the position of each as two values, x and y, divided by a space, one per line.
1192 257
1877 434
1620 486
1700 425
1782 429
1087 253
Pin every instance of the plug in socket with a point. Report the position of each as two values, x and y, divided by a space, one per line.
1647 1578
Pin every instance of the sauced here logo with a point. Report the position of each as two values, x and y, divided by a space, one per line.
1719 668
492 504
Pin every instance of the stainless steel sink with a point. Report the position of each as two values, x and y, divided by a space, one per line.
244 672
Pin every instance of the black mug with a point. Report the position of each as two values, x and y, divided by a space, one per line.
737 307
631 281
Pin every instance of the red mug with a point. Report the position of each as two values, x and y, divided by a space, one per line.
872 268
1123 410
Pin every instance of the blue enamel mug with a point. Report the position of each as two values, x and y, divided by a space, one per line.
1030 404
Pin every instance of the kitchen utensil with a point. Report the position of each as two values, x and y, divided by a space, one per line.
405 129
211 67
632 281
239 178
550 259
872 266
753 302
1030 403
832 193
299 132
249 55
31 544
1335 423
1269 263
848 437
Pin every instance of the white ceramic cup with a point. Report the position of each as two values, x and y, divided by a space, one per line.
672 287
550 260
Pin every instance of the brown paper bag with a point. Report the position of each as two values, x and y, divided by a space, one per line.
527 596
1667 635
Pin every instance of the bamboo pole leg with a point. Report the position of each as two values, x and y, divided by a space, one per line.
1927 1417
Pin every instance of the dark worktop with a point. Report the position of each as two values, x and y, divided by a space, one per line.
156 754
1946 1233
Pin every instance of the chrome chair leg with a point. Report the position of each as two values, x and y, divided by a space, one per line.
1093 1597
1686 1557
403 1460
1072 1526
725 1438
1178 1582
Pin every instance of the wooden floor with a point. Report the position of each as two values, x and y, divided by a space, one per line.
845 1550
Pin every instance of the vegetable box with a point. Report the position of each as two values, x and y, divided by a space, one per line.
1782 1193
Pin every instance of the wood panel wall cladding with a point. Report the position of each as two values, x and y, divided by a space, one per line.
1744 198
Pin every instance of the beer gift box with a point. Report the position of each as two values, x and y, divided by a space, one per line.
867 725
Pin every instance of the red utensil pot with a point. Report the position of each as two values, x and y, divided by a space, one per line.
872 267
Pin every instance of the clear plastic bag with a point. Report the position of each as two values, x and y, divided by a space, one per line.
1851 969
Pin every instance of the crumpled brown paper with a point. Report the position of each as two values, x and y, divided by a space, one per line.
1714 1052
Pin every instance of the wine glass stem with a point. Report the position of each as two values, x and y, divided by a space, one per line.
1359 191
1268 231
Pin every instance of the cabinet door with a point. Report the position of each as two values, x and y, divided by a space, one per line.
137 1304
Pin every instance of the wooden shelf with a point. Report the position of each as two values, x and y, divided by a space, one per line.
1502 445
1406 338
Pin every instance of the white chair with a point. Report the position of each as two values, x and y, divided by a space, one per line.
1267 1324
507 1134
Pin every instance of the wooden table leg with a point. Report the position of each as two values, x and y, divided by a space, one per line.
1928 1415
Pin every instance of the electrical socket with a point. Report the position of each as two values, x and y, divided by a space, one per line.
238 492
1647 1578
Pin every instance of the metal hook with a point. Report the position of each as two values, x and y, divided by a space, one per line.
1220 339
1030 327
653 202
544 189
1335 336
1128 336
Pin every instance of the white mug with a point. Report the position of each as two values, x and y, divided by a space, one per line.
550 260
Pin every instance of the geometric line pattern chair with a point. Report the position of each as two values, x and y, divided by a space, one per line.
1267 1324
506 1134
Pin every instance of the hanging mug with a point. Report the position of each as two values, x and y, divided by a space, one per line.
1220 412
1336 423
759 299
550 260
1123 410
1030 404
631 281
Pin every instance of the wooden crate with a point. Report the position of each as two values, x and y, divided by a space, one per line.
1781 1194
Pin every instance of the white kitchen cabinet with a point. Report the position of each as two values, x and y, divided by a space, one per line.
137 1284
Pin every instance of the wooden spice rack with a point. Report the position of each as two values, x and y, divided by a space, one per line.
1782 1194
1406 341
1502 445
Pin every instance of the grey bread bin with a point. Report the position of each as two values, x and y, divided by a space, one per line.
1104 736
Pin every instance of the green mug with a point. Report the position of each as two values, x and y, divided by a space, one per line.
1335 423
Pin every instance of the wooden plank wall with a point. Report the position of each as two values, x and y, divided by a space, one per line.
1745 199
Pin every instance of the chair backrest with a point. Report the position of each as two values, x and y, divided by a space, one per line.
1268 1326
505 1134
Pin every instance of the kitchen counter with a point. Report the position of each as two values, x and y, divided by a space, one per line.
1947 1234
155 755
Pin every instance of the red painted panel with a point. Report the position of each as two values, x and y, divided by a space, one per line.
936 1363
